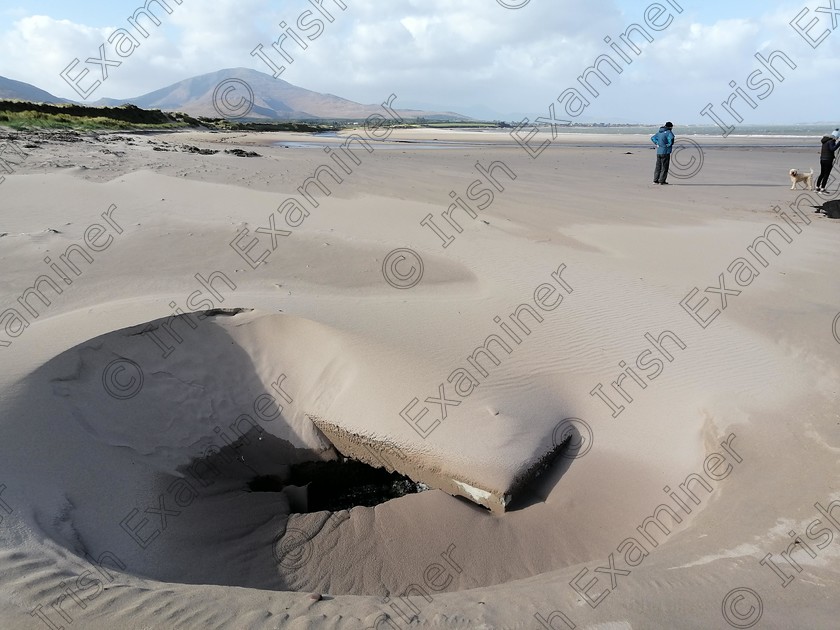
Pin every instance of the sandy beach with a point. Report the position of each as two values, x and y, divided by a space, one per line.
459 306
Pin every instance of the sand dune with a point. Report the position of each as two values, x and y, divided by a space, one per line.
681 449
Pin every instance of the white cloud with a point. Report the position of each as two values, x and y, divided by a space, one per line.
470 52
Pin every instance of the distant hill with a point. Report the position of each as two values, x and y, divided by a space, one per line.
274 99
12 90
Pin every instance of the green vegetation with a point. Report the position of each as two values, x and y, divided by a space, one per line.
29 116
28 121
21 115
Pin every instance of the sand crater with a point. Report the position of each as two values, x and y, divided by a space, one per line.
174 439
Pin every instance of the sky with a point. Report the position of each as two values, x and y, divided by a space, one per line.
482 58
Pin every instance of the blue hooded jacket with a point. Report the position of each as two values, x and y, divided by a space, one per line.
664 141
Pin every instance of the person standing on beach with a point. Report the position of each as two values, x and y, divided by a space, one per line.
664 141
829 145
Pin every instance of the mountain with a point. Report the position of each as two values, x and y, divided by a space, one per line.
12 90
272 99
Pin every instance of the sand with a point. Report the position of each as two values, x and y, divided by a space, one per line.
129 436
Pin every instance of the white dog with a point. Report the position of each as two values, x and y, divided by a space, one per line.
797 176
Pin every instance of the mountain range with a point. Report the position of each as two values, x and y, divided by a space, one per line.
203 95
12 90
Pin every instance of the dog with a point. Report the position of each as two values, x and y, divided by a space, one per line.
797 176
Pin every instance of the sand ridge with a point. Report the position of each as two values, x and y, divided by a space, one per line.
121 409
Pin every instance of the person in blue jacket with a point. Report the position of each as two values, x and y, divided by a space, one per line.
664 141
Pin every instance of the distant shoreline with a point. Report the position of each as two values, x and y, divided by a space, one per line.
403 139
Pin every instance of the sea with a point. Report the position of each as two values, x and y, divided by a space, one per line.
809 130
744 136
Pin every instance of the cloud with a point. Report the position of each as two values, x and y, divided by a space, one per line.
455 54
38 43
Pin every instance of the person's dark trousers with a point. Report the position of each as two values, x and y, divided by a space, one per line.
825 172
662 164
